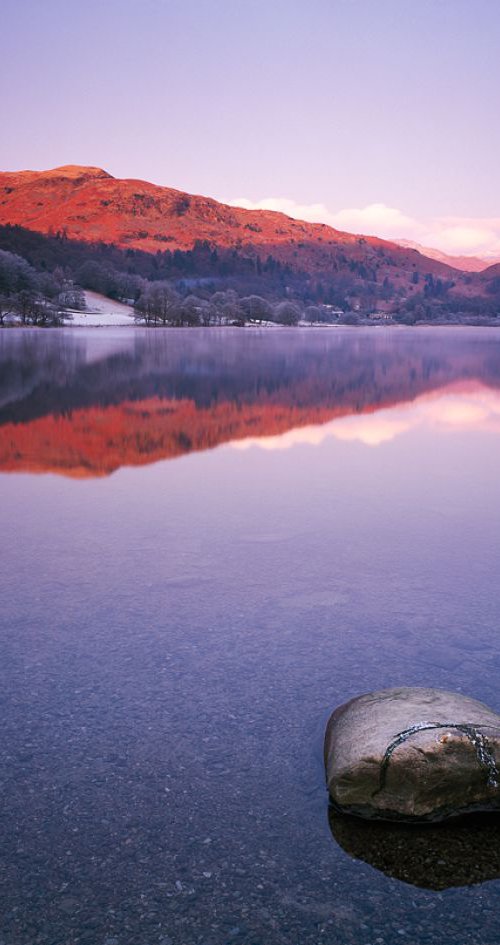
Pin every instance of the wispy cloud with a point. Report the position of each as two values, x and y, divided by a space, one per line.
479 236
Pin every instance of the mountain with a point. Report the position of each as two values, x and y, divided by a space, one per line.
88 205
464 263
492 272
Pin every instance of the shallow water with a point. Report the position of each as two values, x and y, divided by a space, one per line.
211 539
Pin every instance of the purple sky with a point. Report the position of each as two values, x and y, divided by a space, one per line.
374 115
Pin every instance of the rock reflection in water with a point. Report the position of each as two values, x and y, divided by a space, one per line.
461 852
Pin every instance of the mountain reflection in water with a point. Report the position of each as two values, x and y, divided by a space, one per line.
86 404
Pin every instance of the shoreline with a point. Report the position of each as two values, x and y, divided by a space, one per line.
242 328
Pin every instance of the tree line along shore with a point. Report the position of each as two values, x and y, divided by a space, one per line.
43 281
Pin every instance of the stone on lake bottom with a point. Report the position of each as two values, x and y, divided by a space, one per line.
413 754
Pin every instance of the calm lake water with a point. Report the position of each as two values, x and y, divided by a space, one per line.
210 540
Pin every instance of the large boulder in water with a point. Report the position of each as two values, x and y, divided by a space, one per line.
413 754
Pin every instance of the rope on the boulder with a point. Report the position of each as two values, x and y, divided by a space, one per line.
482 748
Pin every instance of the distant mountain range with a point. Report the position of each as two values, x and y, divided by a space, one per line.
87 207
465 263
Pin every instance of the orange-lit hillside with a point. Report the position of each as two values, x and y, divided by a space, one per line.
89 205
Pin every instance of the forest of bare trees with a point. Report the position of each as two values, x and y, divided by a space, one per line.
160 304
30 297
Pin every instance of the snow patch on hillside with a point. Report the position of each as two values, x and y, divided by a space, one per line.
102 312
